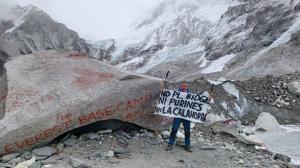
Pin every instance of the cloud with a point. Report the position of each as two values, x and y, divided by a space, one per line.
94 19
5 7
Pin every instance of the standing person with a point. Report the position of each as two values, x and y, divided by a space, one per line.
176 124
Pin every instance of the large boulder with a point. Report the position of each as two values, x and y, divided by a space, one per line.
294 87
266 122
52 92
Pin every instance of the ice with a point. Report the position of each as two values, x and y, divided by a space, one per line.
238 110
218 65
231 89
285 141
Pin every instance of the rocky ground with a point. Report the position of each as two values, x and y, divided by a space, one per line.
219 145
273 90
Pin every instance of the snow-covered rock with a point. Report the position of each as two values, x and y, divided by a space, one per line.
213 38
52 92
29 29
266 122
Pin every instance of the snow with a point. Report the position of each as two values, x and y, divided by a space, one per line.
19 21
217 82
218 65
135 60
169 54
231 89
285 37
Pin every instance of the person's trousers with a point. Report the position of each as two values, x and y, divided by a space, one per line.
187 131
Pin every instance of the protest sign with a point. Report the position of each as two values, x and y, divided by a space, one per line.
192 107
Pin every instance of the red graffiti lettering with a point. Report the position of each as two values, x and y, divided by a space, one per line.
77 55
43 135
88 78
64 117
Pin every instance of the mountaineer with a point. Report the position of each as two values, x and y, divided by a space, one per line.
176 124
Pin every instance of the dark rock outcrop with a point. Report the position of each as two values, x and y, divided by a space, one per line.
34 30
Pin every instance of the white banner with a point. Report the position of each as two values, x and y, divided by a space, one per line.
192 107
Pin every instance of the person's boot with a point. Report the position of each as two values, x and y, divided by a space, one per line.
169 148
188 148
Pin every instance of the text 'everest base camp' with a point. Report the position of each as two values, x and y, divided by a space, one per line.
193 83
50 93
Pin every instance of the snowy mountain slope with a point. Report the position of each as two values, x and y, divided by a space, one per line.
29 29
173 29
190 38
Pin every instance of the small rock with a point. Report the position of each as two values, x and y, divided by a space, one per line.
89 136
165 134
110 154
207 148
282 157
146 152
82 166
121 153
126 135
104 131
294 87
71 142
10 157
45 151
26 164
16 161
95 156
5 165
241 162
180 135
78 163
26 155
36 165
60 146
112 160
297 7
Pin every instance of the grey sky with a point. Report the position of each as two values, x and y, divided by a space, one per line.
94 19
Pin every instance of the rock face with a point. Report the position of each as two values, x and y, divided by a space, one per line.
3 88
266 122
294 87
52 92
29 29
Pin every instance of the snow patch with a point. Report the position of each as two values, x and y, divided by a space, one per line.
19 21
217 82
169 54
285 37
224 105
135 60
218 65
